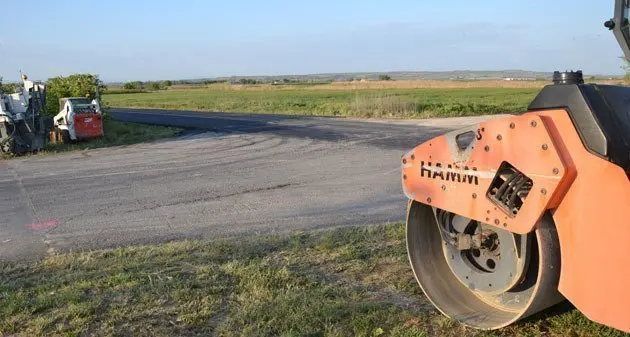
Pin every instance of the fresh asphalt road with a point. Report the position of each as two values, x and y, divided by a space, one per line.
237 174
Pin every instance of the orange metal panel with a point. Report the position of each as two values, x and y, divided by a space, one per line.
594 231
441 174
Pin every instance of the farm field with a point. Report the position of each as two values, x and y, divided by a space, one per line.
392 99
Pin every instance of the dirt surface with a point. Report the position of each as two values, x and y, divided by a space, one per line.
235 174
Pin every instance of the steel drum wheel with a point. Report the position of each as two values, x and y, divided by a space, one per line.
447 286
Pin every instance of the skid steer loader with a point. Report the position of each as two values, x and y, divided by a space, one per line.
79 119
514 215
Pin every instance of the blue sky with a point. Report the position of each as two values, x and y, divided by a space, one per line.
150 40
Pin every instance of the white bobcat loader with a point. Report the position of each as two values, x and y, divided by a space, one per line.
79 119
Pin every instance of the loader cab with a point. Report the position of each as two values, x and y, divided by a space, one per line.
77 105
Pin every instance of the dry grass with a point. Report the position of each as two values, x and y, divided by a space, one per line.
353 281
384 105
424 84
378 85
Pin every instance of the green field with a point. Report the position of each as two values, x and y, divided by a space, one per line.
353 281
384 103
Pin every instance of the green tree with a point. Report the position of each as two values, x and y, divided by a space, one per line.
8 88
166 84
384 77
135 85
77 85
155 86
247 81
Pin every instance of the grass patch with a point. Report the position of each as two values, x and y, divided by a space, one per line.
342 282
324 101
117 133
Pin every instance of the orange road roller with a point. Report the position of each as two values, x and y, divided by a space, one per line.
515 214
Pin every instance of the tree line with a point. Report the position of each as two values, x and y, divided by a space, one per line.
139 85
8 88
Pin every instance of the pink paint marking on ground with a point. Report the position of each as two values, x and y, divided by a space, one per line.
43 225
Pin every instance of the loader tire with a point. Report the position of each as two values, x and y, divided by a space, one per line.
65 137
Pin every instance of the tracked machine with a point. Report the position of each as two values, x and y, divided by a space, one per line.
514 215
23 127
